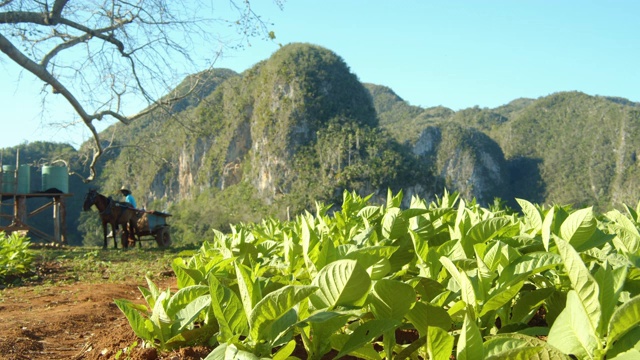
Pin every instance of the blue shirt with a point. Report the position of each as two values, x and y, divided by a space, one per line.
129 198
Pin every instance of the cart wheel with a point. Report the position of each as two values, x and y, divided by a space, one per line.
159 236
167 237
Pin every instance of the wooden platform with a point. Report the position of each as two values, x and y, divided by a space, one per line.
19 216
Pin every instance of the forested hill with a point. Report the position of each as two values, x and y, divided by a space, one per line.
299 128
568 147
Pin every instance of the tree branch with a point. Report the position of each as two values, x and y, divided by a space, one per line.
137 45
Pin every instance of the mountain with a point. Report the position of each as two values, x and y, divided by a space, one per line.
294 129
299 128
584 146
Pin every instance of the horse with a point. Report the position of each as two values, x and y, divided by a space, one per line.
114 213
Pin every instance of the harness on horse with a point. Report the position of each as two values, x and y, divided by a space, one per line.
108 208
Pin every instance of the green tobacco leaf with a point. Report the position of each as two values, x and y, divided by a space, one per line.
309 243
154 291
526 265
391 299
284 352
527 303
528 353
230 352
186 276
439 344
501 297
572 332
250 292
323 325
159 318
365 352
633 213
470 341
394 225
394 201
368 212
218 353
188 314
228 310
404 254
628 237
547 223
185 296
485 276
136 320
508 346
341 283
625 318
366 334
424 315
467 292
610 282
628 341
427 288
420 245
578 227
273 306
531 214
148 297
493 255
367 256
486 230
555 304
413 212
195 336
380 269
462 222
281 330
452 249
582 282
632 354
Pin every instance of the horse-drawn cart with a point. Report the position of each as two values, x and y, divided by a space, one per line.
152 225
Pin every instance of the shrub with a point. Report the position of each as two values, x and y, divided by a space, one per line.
15 256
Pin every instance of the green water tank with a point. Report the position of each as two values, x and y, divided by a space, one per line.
8 179
55 177
24 179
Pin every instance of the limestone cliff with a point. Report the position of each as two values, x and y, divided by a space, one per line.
465 160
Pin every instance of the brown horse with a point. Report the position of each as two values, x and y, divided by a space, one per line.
114 213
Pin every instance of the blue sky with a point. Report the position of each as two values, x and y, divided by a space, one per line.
456 54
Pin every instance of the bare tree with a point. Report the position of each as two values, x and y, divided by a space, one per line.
104 55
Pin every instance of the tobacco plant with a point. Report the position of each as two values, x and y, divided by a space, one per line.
460 279
15 256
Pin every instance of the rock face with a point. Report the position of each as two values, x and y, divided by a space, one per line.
300 89
251 127
465 160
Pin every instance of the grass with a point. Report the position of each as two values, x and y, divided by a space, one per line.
66 265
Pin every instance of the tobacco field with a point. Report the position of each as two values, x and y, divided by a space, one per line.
440 280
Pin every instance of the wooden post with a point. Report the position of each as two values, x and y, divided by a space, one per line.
63 221
56 219
20 209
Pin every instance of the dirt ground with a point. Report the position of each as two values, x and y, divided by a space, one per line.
77 321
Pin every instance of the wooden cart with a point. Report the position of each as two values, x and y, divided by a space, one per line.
152 225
